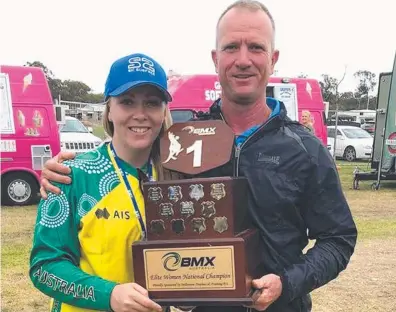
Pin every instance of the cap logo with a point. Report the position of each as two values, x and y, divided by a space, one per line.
141 64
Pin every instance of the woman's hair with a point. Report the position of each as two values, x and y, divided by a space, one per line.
162 173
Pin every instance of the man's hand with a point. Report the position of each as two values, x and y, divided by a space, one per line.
270 288
54 170
132 297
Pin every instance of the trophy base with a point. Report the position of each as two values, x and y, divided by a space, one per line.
199 272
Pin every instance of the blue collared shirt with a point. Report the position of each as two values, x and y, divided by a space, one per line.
275 108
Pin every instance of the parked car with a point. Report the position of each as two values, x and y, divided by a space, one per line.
369 126
330 148
75 137
352 142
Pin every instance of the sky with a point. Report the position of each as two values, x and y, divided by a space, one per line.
80 39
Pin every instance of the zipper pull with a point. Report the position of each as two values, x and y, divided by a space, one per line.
237 151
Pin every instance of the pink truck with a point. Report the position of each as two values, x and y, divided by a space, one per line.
197 92
29 132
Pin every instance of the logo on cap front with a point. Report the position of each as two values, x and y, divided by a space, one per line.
141 64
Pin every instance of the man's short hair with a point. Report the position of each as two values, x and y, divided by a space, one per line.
251 5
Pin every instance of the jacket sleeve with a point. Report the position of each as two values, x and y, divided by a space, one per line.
55 256
329 221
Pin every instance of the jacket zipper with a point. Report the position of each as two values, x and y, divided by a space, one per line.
236 157
239 147
238 152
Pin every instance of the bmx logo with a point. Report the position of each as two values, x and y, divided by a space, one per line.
200 131
173 261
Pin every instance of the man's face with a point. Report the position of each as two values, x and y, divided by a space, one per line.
244 58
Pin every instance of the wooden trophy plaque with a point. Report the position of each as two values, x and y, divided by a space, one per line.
201 248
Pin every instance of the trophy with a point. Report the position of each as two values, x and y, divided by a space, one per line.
201 247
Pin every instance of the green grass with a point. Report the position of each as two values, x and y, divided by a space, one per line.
17 292
346 175
99 132
374 214
376 229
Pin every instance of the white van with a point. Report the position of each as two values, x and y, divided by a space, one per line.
77 138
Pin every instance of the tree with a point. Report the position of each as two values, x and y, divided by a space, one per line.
337 97
366 81
56 87
348 101
94 98
328 86
54 84
75 89
69 90
365 85
48 73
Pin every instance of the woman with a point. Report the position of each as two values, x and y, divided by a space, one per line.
306 120
82 255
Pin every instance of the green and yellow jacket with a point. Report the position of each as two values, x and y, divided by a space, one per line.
82 245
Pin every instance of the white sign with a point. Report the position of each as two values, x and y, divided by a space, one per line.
6 113
7 146
287 93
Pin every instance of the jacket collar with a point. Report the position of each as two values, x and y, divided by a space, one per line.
278 106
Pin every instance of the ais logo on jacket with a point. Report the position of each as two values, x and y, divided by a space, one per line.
117 214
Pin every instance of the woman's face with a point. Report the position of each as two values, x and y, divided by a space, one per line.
137 116
304 118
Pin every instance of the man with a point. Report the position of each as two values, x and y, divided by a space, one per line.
294 185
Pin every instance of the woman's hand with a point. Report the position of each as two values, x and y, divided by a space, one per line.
132 297
54 170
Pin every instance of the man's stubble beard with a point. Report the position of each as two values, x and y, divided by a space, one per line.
243 99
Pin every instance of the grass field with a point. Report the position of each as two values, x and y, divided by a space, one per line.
99 132
368 284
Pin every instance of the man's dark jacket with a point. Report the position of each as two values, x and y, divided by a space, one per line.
295 194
